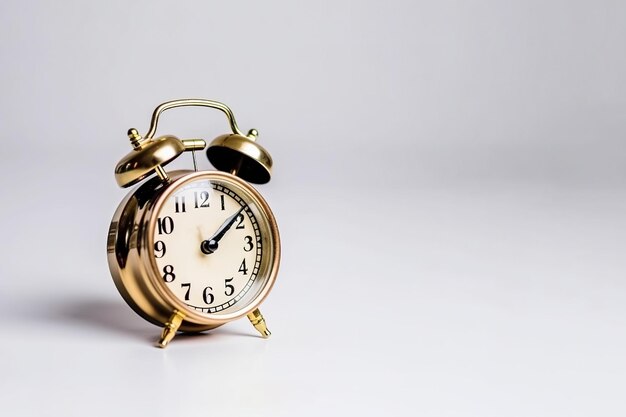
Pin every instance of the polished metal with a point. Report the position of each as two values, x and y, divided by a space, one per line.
191 102
130 249
232 151
227 152
150 156
258 321
131 234
170 329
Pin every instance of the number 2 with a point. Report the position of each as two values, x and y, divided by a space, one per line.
240 224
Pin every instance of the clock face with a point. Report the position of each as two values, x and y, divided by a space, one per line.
212 246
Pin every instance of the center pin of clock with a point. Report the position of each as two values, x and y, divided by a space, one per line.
208 246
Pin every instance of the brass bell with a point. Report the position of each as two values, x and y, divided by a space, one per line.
242 156
150 155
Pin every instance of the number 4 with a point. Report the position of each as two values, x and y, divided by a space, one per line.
243 268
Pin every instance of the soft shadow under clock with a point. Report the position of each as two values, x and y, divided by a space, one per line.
106 315
112 316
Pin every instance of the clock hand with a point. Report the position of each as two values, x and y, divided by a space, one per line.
211 244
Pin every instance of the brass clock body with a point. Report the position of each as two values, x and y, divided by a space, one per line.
222 273
132 260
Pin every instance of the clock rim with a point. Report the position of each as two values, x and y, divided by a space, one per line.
179 180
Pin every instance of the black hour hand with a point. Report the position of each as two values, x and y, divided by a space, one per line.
211 244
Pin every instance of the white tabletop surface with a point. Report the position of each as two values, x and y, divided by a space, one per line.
449 186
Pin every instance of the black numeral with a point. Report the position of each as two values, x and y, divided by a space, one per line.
243 268
230 290
207 296
159 249
249 244
202 200
168 273
180 204
222 200
240 225
188 286
165 225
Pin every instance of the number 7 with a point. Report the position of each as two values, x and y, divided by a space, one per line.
188 285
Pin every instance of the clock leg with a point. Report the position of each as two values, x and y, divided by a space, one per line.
170 329
257 320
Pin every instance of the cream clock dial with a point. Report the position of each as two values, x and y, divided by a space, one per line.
208 246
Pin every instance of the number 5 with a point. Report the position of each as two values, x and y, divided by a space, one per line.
230 290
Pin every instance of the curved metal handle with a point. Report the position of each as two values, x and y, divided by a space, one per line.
198 102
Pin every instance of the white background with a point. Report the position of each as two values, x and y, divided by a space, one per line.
449 183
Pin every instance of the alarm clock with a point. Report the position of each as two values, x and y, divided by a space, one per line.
191 250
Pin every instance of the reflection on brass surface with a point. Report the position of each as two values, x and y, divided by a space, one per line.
130 241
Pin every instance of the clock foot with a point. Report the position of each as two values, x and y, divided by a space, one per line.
170 329
257 320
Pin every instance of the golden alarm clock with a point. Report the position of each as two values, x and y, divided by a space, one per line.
191 250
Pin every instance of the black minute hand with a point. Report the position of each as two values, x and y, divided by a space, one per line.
211 244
